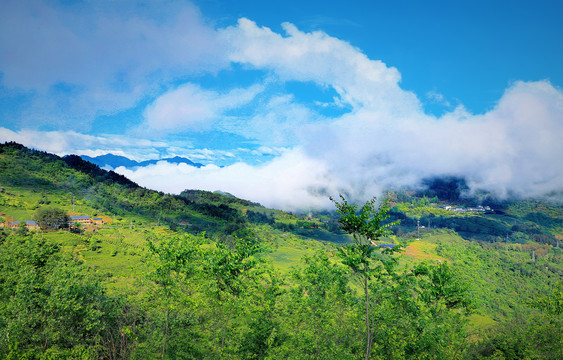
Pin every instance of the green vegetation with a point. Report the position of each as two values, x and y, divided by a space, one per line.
205 275
51 218
365 225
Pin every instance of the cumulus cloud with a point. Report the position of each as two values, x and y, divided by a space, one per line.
386 139
323 59
514 148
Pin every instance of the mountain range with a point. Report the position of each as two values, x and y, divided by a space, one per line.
115 161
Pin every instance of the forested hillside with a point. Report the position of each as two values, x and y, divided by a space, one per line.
204 275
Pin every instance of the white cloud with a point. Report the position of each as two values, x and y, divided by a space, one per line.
385 140
388 140
317 57
437 98
189 107
70 142
287 182
515 147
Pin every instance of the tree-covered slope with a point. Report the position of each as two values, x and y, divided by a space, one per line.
205 275
32 178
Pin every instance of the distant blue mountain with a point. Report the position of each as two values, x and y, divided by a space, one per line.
116 161
112 160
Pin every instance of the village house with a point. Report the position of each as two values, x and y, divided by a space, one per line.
81 219
29 224
98 221
476 209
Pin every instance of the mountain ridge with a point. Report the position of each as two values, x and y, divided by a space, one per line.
115 161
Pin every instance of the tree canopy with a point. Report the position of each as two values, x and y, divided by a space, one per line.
51 218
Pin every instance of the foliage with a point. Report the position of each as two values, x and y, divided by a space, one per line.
51 305
51 218
366 227
321 321
365 224
257 285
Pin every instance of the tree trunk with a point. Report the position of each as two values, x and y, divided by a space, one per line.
368 327
165 332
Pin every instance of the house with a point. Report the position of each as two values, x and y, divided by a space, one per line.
11 224
81 219
29 224
98 221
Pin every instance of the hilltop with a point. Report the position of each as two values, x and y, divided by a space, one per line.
33 178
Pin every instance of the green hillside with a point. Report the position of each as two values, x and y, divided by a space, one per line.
207 275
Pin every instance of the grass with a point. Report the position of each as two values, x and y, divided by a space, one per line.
285 257
114 252
286 250
422 250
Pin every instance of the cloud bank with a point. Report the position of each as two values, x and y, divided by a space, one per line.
386 139
287 182
71 142
91 60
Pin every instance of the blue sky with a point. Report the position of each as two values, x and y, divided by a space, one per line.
289 102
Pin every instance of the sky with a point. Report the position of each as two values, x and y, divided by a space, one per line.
288 103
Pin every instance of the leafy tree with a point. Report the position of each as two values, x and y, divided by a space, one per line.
319 316
172 298
230 271
367 260
551 304
437 303
263 334
51 218
53 306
